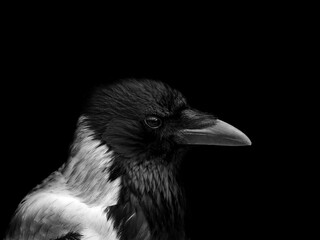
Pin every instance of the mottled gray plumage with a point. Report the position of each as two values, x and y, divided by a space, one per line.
65 201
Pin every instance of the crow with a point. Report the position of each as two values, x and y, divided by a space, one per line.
120 181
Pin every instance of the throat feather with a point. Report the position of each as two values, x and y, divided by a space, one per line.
150 193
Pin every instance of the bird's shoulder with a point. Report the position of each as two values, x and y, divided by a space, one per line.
52 214
40 216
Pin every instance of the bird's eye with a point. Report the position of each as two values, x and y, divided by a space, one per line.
153 122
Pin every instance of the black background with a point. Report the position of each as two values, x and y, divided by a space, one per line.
230 65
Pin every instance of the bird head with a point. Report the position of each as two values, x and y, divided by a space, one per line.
149 119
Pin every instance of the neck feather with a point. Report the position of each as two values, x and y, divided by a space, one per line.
87 170
133 191
150 193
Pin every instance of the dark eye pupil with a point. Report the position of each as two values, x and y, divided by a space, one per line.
153 122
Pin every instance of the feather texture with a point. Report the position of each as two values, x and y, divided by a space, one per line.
120 182
73 199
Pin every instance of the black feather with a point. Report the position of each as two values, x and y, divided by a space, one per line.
151 202
70 236
116 114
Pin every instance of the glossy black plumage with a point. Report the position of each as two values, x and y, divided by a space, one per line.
151 202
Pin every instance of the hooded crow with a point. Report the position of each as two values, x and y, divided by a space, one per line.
120 181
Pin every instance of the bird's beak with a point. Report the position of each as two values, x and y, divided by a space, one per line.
203 129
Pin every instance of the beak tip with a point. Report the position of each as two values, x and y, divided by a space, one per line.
245 140
248 142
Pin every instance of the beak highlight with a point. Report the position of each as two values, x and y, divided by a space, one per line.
220 133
